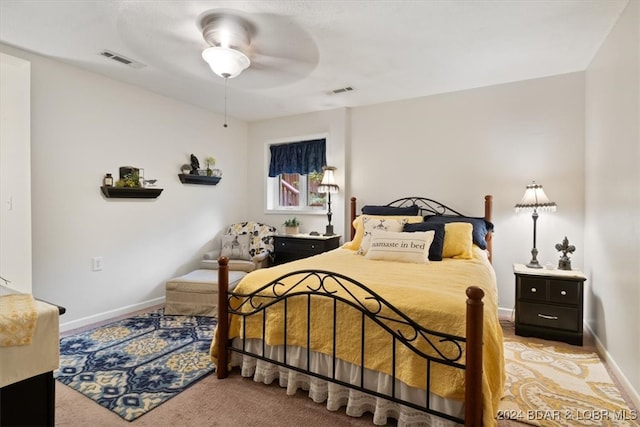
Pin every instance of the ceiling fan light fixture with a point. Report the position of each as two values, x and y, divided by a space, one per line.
226 62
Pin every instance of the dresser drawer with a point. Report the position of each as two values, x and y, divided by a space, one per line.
533 288
549 316
564 292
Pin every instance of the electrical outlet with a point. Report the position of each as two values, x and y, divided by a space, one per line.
97 263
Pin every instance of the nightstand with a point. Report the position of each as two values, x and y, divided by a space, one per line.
297 246
549 303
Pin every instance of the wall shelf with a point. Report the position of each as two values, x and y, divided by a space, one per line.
198 179
130 193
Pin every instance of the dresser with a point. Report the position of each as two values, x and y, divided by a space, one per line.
297 246
27 386
549 303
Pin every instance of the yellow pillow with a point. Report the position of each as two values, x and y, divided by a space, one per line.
458 240
358 224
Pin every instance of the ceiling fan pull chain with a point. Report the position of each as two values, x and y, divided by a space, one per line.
225 101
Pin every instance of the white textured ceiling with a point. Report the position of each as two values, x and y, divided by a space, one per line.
385 50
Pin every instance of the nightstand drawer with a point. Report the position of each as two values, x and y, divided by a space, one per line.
291 248
549 316
299 245
533 288
564 292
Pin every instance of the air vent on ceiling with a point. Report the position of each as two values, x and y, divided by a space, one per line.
122 59
342 90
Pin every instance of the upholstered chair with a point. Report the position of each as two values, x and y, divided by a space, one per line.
248 245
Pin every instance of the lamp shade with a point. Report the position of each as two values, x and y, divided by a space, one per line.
226 62
535 199
328 183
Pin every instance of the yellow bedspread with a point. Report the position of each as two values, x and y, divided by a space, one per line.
433 295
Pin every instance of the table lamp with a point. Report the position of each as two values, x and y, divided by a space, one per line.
328 185
534 199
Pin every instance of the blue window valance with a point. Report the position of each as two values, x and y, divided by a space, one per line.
298 157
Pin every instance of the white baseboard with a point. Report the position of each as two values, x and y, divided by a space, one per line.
628 388
506 313
85 321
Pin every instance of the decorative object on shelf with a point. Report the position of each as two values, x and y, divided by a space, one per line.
141 177
195 165
186 168
291 226
130 192
534 198
150 183
565 248
107 181
210 161
198 179
328 185
129 177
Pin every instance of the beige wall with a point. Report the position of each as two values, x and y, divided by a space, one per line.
333 124
15 173
84 125
612 181
456 148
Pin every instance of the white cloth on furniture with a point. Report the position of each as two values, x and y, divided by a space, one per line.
42 355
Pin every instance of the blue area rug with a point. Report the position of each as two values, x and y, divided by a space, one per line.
133 365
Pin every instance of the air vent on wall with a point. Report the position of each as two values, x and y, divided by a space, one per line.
122 59
342 90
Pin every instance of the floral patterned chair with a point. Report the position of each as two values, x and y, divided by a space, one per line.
248 245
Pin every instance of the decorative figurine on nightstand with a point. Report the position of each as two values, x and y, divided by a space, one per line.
565 248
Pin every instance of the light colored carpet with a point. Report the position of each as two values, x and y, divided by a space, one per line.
549 385
238 401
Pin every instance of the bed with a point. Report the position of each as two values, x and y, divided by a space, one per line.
369 327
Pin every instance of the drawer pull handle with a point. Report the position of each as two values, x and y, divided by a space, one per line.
563 293
544 316
534 290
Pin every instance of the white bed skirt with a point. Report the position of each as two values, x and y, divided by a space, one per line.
357 403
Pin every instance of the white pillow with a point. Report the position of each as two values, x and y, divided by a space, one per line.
382 224
402 247
235 246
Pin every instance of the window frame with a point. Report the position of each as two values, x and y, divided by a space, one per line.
271 185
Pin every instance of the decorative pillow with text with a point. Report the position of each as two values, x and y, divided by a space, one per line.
401 247
371 224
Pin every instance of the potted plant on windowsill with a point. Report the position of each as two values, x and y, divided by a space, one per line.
292 226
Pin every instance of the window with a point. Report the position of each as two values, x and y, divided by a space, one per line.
295 172
300 191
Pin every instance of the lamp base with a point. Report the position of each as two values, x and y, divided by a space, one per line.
329 230
534 264
534 258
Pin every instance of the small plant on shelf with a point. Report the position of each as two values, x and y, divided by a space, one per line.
130 180
291 226
210 161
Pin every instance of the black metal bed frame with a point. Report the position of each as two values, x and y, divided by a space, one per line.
463 353
424 205
400 328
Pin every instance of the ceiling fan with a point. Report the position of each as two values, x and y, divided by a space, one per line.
229 37
272 44
235 44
